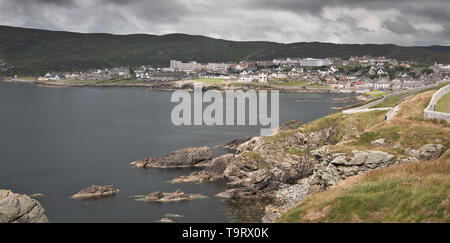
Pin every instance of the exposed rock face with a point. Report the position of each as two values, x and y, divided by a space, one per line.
235 143
211 173
96 191
176 196
180 158
338 166
426 152
287 196
261 166
431 151
20 208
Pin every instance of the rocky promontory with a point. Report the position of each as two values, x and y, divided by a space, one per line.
211 173
96 191
20 208
180 158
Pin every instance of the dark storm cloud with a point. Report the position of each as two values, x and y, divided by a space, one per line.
399 25
406 22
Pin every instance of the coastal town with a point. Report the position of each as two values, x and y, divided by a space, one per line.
354 75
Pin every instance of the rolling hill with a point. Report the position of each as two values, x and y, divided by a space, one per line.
34 51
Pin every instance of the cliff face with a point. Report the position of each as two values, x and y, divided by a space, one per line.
265 164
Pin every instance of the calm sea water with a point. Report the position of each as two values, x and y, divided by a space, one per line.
57 141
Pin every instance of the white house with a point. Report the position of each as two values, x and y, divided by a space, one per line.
382 84
381 72
262 78
279 75
246 78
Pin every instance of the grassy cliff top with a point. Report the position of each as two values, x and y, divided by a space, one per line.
414 192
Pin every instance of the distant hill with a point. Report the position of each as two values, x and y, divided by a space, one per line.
32 50
439 49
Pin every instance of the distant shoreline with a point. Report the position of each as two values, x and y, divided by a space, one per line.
168 86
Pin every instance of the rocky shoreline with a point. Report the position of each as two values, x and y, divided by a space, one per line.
289 169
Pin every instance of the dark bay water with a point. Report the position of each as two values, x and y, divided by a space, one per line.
57 141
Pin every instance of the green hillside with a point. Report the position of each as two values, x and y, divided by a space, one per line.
32 50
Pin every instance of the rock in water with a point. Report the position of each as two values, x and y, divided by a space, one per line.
176 196
96 191
212 173
173 215
20 208
165 220
180 158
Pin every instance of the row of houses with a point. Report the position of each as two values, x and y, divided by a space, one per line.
94 74
384 83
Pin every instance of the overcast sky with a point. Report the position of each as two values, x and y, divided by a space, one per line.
403 22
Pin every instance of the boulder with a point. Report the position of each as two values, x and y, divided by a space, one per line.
334 167
96 191
431 151
20 208
412 152
402 160
165 220
180 158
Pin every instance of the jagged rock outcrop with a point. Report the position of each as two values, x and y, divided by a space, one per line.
20 208
96 191
180 158
338 166
211 173
286 197
426 152
176 196
261 165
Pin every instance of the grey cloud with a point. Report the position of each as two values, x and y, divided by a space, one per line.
400 26
402 22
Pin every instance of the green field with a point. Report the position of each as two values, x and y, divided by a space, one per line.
443 104
210 80
376 94
292 83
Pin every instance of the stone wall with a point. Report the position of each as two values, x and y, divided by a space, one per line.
430 112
